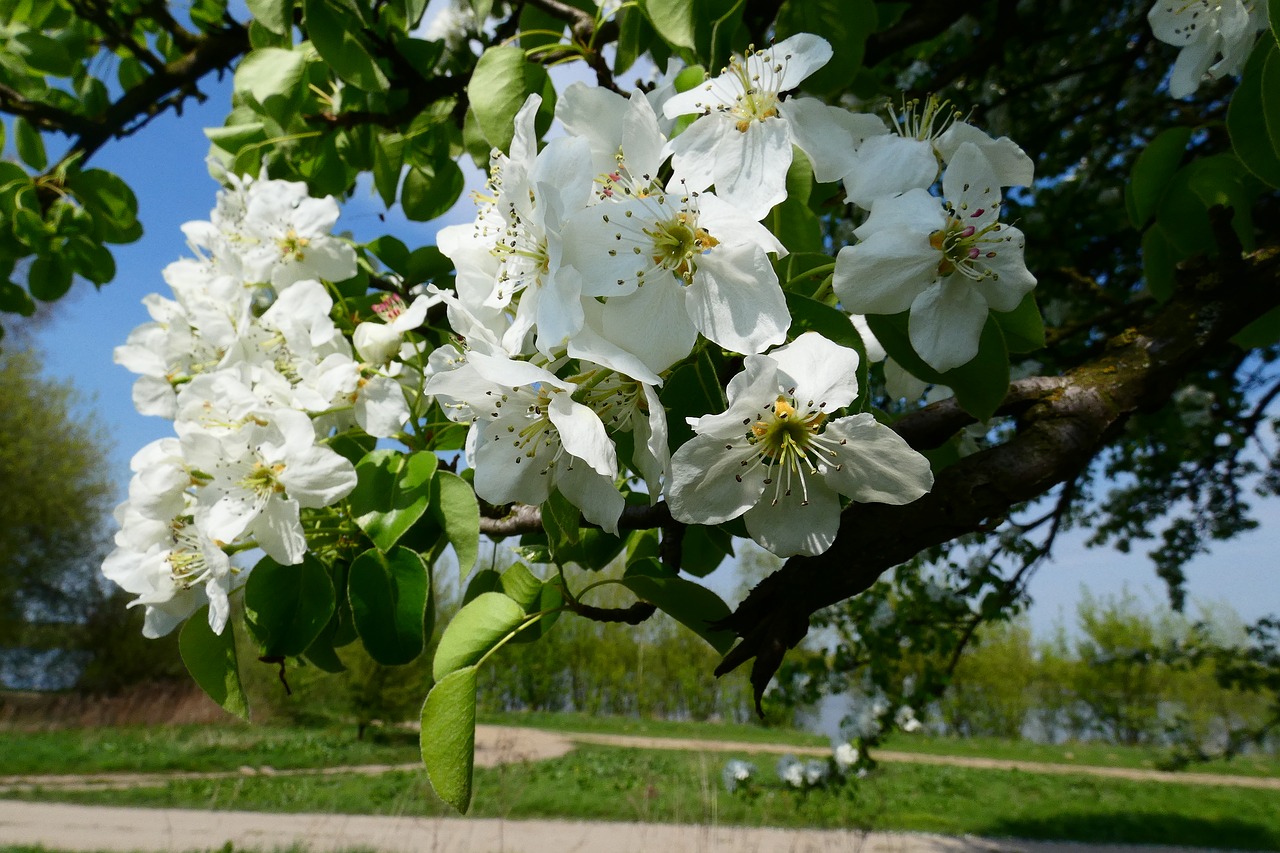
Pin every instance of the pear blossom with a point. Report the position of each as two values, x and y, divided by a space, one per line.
736 772
926 137
529 436
776 457
671 264
1216 37
173 567
259 478
949 264
742 140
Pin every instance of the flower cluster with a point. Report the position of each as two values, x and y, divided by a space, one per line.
599 262
595 265
249 364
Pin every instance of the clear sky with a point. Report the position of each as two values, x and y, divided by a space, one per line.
164 163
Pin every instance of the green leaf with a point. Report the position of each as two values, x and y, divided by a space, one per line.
1273 12
634 37
537 27
388 594
275 15
388 163
211 660
690 604
1159 260
448 737
694 389
980 386
1023 327
49 277
549 600
91 260
15 299
1271 98
428 193
703 548
1246 118
561 520
484 581
288 606
111 201
502 81
521 586
455 508
673 19
271 73
477 628
1152 172
845 24
333 34
1262 332
29 144
392 492
41 53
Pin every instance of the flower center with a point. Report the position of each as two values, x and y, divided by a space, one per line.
292 246
263 480
787 435
677 241
966 248
760 88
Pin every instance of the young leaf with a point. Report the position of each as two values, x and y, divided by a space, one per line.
501 82
388 595
338 45
392 492
211 660
448 736
673 19
456 510
275 15
477 628
288 606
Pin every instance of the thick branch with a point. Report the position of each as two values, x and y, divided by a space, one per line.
1063 426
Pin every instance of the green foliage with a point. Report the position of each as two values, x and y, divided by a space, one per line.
288 606
392 492
211 660
389 596
449 736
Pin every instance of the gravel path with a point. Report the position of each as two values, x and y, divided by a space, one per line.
100 828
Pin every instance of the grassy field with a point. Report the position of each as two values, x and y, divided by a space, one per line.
220 747
232 745
648 785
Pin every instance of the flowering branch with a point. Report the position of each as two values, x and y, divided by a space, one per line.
1063 426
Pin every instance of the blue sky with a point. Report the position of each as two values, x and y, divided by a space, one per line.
164 163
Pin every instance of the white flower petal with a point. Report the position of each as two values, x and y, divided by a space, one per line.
946 323
876 465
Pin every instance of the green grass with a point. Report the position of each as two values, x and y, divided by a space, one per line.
199 748
608 783
571 722
1092 754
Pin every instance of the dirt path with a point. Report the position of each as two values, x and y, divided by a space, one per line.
888 756
99 828
509 744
